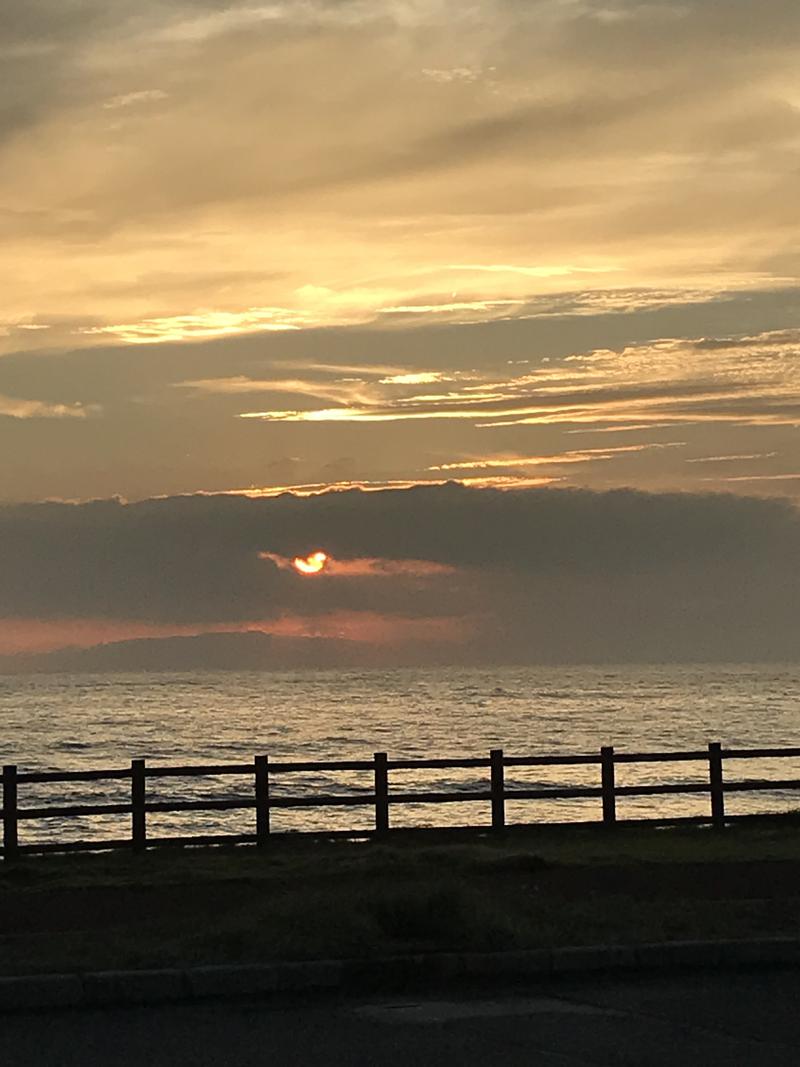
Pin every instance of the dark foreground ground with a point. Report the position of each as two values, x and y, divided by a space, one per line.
298 900
709 1020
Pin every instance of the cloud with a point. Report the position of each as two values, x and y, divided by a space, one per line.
17 408
199 324
238 194
547 574
342 390
138 96
631 145
416 378
34 636
754 380
759 478
358 408
374 486
367 567
586 455
731 459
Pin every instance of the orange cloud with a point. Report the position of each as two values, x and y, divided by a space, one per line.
368 567
374 628
19 636
365 567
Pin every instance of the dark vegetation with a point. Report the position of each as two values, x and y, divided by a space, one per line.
302 900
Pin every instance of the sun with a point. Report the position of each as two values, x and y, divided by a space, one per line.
312 564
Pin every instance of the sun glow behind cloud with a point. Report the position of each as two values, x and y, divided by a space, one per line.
360 567
314 563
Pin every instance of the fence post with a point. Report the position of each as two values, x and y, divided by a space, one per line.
138 824
498 789
717 788
608 783
10 837
381 792
262 799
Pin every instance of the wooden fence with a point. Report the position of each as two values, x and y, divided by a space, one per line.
263 772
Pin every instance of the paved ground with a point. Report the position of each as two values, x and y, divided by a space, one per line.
735 1020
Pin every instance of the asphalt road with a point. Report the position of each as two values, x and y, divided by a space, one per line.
735 1020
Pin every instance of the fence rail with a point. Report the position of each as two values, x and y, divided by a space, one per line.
263 771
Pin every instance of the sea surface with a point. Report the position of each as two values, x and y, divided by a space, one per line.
75 722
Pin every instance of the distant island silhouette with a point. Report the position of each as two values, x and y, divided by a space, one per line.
252 650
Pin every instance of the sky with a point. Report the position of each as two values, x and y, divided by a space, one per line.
361 251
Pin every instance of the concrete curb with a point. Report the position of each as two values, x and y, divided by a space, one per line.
386 974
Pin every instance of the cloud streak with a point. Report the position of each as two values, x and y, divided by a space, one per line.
587 455
753 380
17 408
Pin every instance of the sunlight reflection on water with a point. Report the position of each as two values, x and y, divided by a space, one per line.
71 722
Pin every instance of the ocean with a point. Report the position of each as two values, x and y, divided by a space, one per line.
72 722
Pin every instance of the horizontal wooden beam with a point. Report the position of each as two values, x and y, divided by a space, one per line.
661 757
760 753
64 811
435 764
74 776
307 766
551 761
205 770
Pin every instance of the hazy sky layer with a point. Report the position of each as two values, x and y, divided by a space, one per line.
333 241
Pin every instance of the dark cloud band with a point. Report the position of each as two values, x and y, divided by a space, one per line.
554 574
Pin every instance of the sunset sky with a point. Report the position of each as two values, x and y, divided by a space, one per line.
537 247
